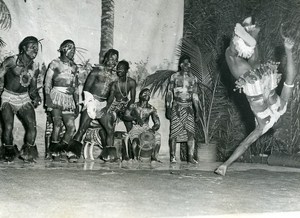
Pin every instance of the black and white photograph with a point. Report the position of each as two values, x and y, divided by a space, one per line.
149 108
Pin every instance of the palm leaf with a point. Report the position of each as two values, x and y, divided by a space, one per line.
158 81
5 17
199 62
2 43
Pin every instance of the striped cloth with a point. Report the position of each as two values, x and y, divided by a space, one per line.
182 122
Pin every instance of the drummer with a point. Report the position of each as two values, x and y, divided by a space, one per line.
139 113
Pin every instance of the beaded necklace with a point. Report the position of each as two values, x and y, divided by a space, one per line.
25 76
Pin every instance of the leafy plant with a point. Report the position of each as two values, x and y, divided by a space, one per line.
141 72
84 69
206 103
5 20
210 24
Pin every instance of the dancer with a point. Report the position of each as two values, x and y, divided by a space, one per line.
96 92
182 108
258 82
19 97
62 96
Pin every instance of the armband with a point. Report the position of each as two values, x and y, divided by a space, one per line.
289 86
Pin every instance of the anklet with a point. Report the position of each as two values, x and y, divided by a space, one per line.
289 86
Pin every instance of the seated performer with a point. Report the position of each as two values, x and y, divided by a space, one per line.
182 108
258 82
139 113
96 91
20 97
62 96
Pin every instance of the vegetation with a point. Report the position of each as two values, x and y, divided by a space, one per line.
5 20
209 24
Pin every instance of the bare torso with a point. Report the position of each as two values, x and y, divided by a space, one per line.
122 89
99 82
143 112
64 73
17 78
238 67
183 86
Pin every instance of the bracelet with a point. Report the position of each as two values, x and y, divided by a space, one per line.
289 86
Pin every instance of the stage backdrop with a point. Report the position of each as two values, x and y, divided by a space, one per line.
146 33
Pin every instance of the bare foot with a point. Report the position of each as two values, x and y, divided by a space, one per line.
221 170
173 160
192 161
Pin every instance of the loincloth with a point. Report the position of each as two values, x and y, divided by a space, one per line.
93 105
15 100
182 124
260 81
62 100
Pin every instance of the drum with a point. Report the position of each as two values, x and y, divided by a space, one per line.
146 145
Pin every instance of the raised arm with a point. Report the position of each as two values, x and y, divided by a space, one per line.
290 66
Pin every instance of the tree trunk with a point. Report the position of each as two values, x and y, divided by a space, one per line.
107 27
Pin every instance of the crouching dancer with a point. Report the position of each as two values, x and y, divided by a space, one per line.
20 96
258 82
96 92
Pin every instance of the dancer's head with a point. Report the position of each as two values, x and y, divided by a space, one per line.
110 59
29 46
67 48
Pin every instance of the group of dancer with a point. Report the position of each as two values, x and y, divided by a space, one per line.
109 95
108 92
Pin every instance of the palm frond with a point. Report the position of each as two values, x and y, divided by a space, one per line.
5 17
199 62
2 43
158 81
